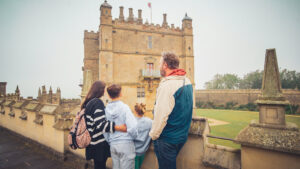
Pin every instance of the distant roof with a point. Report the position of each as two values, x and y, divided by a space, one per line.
105 4
186 17
49 109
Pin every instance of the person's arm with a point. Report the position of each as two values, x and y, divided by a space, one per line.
165 103
131 123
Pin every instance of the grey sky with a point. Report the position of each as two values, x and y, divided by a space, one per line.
42 40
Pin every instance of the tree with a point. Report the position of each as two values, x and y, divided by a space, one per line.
227 81
252 80
289 79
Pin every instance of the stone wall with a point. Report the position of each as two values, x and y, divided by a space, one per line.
46 125
221 97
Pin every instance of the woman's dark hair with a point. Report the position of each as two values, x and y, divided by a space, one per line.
96 91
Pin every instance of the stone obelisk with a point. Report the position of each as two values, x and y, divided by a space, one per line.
270 142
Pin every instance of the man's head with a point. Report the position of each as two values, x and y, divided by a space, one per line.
168 62
114 91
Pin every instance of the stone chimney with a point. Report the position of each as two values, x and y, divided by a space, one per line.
130 17
165 23
121 17
140 20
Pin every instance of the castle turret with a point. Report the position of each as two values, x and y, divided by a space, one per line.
187 61
39 95
105 43
17 93
50 95
44 95
58 96
105 10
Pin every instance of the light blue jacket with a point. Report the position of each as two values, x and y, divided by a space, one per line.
120 113
142 141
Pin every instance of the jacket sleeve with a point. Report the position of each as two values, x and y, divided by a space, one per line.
96 120
131 123
165 103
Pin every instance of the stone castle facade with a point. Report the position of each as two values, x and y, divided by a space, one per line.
127 50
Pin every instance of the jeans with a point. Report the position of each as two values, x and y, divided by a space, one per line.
123 155
166 153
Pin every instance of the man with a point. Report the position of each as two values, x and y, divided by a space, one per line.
172 112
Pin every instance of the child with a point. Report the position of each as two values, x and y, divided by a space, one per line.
143 139
121 144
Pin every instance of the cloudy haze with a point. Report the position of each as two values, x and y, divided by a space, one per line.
42 40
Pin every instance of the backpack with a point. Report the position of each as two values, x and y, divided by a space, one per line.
79 136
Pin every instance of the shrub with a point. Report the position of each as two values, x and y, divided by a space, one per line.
230 105
291 109
200 104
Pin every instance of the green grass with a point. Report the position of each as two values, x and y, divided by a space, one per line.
237 121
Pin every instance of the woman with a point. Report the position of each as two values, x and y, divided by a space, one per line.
97 124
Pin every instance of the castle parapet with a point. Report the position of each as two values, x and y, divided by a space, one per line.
90 35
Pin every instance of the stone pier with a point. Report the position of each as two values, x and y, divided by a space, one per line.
270 142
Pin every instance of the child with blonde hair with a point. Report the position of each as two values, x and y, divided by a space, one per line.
142 141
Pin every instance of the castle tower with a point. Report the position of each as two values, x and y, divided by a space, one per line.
105 43
187 62
127 51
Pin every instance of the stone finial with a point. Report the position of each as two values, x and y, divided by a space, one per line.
271 84
130 18
140 20
50 90
121 16
44 89
165 23
39 93
17 91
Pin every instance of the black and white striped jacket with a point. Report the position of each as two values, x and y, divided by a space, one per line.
96 121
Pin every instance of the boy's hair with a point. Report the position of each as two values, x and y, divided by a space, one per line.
171 59
140 109
114 91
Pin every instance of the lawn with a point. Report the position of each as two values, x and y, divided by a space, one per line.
237 121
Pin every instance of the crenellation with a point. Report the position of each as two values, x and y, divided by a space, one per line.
90 35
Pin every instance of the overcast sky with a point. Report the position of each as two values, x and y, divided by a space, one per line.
42 40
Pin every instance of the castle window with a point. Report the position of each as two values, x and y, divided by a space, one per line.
150 42
140 92
150 67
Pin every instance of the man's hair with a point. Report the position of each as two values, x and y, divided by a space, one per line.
171 60
114 91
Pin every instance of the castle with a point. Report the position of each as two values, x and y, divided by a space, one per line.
127 51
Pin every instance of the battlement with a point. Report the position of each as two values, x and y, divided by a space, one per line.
138 24
90 34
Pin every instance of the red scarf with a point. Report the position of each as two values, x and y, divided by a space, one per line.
177 72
